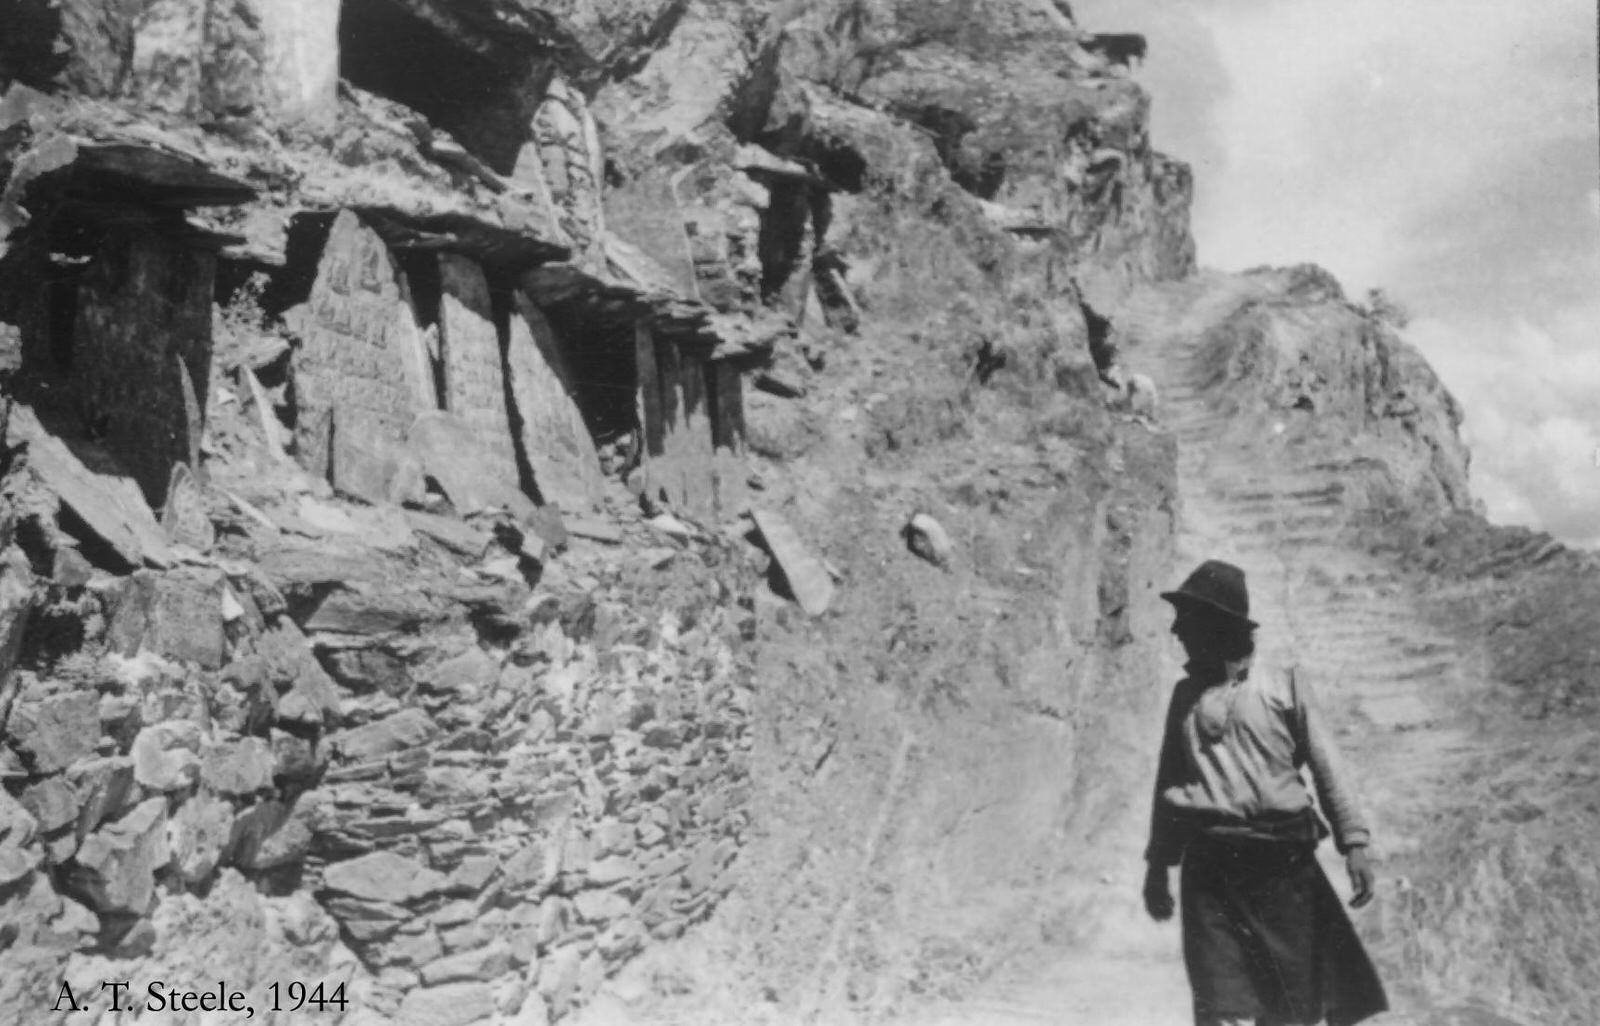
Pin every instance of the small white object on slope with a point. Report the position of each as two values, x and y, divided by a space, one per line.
927 538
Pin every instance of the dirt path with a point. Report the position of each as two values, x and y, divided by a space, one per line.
1342 615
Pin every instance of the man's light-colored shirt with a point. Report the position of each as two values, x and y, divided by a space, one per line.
1233 750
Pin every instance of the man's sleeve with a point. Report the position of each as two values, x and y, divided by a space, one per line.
1166 829
1327 769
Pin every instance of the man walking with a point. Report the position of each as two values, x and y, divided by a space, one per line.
1264 938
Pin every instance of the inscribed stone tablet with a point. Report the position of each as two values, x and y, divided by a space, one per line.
142 345
555 440
474 379
680 461
362 351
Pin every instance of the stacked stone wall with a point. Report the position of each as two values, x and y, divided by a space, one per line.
487 826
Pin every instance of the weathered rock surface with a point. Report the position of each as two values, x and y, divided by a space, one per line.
804 574
383 876
115 867
109 505
177 616
553 437
55 732
362 372
166 756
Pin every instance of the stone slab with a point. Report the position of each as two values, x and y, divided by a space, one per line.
808 579
384 876
57 731
474 370
109 504
552 434
691 414
175 614
450 451
141 344
363 361
115 867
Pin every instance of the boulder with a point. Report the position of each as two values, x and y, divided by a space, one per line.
412 949
366 670
926 537
474 873
367 610
558 977
109 505
296 760
17 825
53 733
105 789
402 731
600 906
471 672
177 615
52 802
166 756
365 920
482 964
197 834
309 696
384 876
271 834
237 768
17 862
611 870
460 538
116 866
807 578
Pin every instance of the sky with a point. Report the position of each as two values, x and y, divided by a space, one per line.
1447 151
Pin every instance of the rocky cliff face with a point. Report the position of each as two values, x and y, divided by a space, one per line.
517 510
379 404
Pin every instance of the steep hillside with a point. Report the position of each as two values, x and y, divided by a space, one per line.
622 512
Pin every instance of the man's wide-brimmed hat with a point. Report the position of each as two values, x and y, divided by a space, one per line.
1216 585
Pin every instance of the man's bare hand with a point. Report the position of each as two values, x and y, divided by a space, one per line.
1157 894
1361 876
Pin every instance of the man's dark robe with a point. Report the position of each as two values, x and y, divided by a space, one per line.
1264 935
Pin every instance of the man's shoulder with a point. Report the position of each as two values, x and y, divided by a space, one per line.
1279 681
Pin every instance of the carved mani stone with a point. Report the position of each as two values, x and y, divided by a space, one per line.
560 452
569 151
363 367
474 376
691 415
142 351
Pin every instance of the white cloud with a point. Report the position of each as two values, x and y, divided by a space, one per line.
1529 420
1445 150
